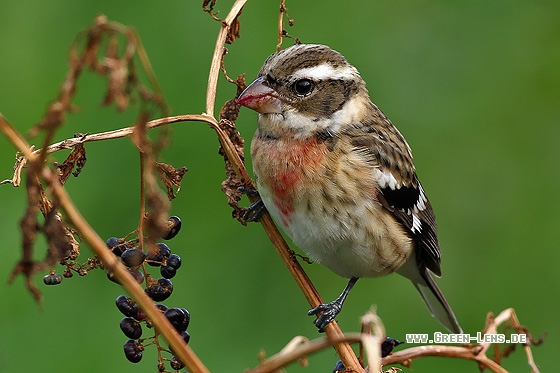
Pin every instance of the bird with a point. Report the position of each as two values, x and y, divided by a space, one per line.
338 177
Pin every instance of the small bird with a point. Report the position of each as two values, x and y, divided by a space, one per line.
338 177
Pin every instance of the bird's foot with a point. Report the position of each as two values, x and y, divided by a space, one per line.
330 311
255 209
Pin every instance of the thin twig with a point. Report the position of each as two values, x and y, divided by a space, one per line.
217 56
281 24
285 357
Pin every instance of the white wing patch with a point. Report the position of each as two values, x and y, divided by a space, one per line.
421 204
386 179
416 223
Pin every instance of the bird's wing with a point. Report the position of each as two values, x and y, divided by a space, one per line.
400 190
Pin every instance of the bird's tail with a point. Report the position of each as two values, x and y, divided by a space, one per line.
438 306
432 296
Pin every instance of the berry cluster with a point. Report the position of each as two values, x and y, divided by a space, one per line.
72 266
159 256
131 326
159 289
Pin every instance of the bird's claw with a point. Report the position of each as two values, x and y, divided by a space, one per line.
255 209
330 311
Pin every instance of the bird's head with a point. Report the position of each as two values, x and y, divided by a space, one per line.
306 88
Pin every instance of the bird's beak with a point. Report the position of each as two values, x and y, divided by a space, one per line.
261 98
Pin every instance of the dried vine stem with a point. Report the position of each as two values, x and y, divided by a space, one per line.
217 57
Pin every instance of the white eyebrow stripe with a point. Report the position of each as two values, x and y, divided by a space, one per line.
326 71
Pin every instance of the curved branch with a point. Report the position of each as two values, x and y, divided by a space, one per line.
217 56
459 352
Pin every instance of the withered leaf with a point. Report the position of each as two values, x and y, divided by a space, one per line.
233 32
230 110
118 79
57 238
76 158
228 115
230 186
208 7
94 36
171 177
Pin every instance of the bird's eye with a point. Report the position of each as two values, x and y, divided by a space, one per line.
303 87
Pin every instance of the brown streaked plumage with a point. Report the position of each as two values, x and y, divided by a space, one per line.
338 176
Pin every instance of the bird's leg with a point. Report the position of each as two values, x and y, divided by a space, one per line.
332 309
255 209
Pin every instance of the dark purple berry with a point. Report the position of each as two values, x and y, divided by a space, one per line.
138 276
127 306
112 242
167 271
174 261
133 351
131 328
339 367
388 345
173 227
155 255
164 250
162 307
116 246
186 338
52 279
179 318
175 363
133 257
140 315
119 250
161 290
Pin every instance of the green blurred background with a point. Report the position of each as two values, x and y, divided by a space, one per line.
472 84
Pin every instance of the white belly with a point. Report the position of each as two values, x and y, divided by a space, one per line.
352 240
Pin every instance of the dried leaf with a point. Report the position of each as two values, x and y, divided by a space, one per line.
29 228
233 32
228 115
232 183
21 161
76 158
156 220
208 7
118 76
171 177
94 37
230 110
56 234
